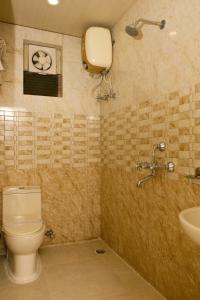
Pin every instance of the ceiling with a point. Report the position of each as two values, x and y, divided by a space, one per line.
69 17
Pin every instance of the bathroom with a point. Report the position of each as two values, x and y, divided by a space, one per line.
99 150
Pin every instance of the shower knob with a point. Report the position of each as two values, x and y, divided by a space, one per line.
161 146
170 166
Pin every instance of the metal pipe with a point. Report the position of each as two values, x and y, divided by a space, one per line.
140 182
145 21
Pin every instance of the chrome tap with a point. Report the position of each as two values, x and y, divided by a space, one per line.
154 165
142 165
140 182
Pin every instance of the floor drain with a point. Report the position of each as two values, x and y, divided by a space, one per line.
100 251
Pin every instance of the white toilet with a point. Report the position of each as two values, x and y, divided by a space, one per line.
23 232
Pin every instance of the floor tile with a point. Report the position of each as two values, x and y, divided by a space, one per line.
73 253
77 272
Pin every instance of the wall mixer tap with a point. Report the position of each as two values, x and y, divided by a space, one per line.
154 165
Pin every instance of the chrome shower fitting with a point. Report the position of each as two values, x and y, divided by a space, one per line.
105 88
135 29
162 146
154 165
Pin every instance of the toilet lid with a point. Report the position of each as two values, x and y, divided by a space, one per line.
23 227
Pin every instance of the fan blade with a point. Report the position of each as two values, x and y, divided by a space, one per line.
35 58
46 66
38 66
48 59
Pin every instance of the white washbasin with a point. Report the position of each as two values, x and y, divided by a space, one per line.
190 221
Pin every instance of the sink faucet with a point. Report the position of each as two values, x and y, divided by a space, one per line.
154 165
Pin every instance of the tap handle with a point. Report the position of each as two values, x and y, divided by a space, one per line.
143 165
170 166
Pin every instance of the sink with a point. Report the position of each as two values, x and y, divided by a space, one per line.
190 221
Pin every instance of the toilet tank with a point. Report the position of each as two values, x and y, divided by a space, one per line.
21 201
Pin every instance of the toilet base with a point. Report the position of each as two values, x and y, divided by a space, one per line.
17 271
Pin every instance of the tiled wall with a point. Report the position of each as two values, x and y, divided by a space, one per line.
162 61
77 84
128 134
156 80
52 142
61 154
30 140
142 224
70 199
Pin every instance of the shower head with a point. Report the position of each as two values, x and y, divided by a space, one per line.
134 30
131 30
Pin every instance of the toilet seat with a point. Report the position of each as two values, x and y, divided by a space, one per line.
23 227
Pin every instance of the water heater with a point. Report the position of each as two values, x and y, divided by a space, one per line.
97 49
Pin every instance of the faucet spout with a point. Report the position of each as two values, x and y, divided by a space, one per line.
140 182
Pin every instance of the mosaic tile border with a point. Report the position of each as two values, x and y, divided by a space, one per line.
29 140
129 134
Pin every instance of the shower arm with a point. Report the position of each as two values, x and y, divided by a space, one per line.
145 21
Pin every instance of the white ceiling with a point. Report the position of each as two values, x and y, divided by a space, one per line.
69 17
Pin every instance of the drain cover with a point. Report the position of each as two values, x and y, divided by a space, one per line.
100 251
